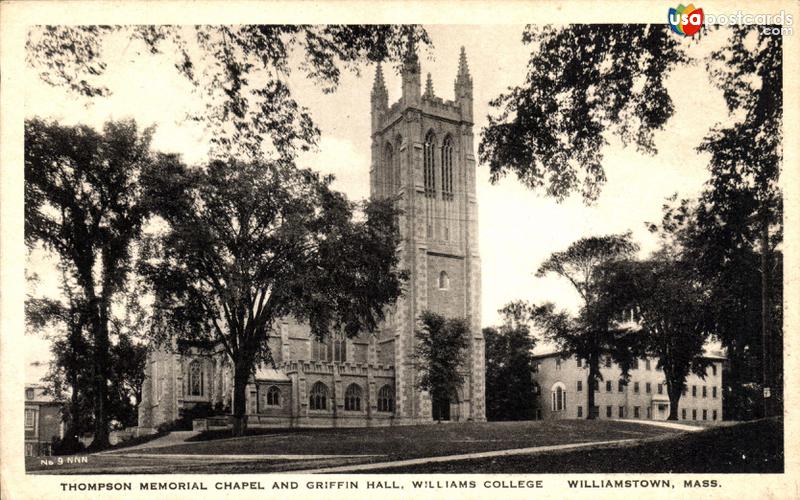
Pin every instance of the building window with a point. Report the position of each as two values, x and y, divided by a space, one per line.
330 348
647 387
608 361
447 169
714 392
713 414
621 386
714 370
430 176
30 418
536 389
646 364
705 414
661 388
559 396
580 385
621 412
29 394
339 348
273 396
609 387
352 398
694 391
444 281
319 350
580 362
685 390
608 411
636 387
635 412
386 399
580 412
683 413
705 392
649 412
636 364
597 385
196 378
558 363
318 399
388 168
694 414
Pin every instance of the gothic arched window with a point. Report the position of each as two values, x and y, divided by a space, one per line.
339 348
385 179
444 281
559 396
447 168
428 160
273 396
386 399
398 180
319 349
318 399
352 398
195 378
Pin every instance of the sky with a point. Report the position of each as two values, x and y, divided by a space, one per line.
518 228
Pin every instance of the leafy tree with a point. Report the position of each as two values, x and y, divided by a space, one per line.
583 81
441 352
239 71
721 242
510 393
246 244
83 202
585 265
129 359
670 303
69 377
743 200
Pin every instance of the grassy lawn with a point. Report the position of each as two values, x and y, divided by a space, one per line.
752 447
422 440
389 443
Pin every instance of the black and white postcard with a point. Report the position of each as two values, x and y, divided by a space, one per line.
399 249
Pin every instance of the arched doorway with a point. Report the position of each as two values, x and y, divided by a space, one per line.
446 408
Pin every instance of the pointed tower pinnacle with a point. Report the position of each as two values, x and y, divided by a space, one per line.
429 87
379 98
411 74
379 86
463 87
463 77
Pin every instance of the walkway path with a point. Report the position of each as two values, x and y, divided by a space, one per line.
466 456
665 423
171 439
237 458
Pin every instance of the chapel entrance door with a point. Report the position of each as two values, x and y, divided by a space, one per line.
441 409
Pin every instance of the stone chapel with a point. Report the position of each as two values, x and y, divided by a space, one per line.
422 153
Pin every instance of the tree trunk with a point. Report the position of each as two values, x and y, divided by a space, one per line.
766 316
591 381
100 357
241 376
674 393
71 439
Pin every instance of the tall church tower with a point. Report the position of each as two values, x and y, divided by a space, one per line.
423 153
